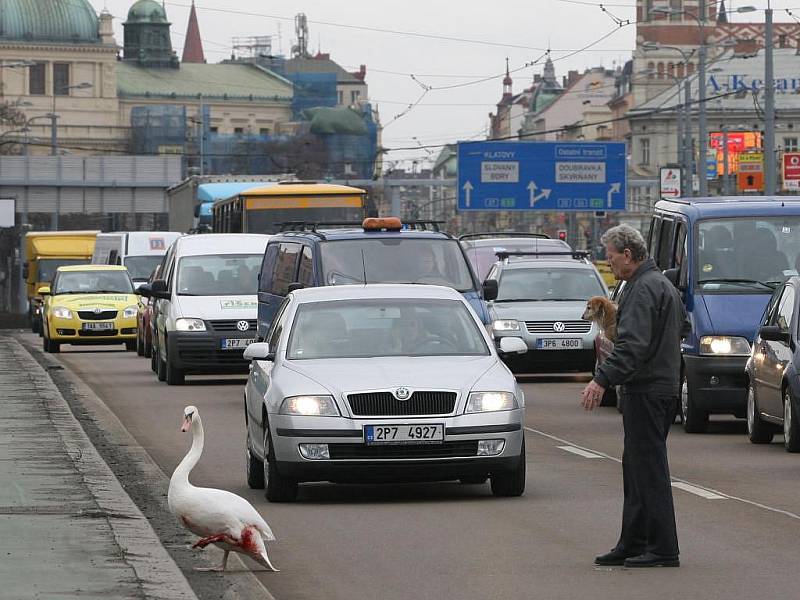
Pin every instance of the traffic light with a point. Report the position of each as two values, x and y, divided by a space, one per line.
562 235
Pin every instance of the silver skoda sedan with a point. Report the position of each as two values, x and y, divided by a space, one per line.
381 383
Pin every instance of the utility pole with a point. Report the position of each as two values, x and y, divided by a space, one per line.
202 136
726 186
687 141
702 128
770 167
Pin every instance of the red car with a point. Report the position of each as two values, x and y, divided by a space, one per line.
144 333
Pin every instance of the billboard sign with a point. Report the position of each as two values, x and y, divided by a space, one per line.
670 183
791 171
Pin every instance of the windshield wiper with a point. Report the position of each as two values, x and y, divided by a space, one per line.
187 294
520 300
739 281
109 292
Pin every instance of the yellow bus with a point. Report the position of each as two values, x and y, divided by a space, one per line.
262 209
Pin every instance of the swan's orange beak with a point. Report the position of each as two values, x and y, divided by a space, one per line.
187 424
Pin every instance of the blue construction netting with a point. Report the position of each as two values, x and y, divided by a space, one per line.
312 90
158 129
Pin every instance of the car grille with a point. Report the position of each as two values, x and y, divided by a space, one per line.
207 352
403 451
547 326
385 404
90 315
230 324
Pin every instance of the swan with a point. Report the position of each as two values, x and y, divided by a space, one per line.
219 517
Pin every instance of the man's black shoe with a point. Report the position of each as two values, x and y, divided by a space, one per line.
615 558
648 559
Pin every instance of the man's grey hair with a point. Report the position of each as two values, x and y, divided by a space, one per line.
624 237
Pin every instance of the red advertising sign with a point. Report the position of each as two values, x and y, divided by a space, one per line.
791 171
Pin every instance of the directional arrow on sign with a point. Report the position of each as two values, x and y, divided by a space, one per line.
614 189
467 187
532 187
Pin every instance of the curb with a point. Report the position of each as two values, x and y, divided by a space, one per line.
146 485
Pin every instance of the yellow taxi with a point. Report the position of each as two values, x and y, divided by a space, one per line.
89 304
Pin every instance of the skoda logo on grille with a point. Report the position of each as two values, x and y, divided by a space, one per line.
242 325
97 311
558 327
402 393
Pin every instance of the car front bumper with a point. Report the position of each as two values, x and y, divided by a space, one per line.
352 460
201 352
717 384
72 331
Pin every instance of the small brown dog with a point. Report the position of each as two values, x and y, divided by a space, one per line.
602 311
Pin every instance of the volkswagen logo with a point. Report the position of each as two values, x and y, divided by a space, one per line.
559 327
242 325
402 393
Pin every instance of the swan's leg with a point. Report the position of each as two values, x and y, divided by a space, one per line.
203 542
219 568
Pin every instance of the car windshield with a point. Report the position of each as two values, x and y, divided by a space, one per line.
93 282
140 267
221 275
482 255
535 284
47 266
435 261
747 255
392 327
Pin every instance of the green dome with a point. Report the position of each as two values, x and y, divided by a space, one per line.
147 11
48 21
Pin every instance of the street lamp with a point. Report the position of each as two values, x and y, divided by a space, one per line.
54 117
702 126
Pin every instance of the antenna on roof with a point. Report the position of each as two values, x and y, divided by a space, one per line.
364 266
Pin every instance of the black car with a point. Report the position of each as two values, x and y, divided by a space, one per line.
773 387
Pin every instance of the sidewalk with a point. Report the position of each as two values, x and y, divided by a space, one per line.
67 528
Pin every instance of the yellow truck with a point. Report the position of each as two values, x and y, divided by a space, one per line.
45 251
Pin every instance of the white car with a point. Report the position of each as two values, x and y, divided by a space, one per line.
381 383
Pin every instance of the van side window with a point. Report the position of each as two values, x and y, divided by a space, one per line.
665 241
305 272
285 267
679 259
267 267
655 233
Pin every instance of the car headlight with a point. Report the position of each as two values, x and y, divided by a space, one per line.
190 325
490 401
309 406
723 345
505 325
130 312
61 312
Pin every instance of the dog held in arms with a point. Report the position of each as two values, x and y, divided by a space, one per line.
602 311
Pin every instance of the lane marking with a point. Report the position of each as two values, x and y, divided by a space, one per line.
760 505
580 452
698 491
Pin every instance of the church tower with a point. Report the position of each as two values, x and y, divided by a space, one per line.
193 46
147 39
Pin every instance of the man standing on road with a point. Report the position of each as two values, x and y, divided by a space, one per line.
646 362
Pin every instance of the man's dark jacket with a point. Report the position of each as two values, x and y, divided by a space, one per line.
651 320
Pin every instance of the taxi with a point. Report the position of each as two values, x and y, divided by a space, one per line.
89 304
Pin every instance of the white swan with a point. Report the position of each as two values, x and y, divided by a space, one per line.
219 517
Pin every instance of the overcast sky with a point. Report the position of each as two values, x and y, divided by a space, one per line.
577 32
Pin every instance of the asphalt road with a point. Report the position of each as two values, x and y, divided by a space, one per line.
737 504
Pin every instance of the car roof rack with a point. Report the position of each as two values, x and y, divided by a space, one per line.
314 227
423 225
576 254
490 234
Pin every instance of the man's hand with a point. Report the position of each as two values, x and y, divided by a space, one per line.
592 395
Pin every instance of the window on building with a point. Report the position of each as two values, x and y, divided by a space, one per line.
264 131
354 94
782 41
676 5
644 151
790 144
36 79
238 130
340 97
648 6
60 79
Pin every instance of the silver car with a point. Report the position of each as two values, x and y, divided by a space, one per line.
381 383
542 300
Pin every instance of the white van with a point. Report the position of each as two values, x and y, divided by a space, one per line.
206 304
139 251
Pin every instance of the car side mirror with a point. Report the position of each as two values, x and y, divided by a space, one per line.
144 290
44 290
513 345
295 285
773 333
158 289
258 351
490 289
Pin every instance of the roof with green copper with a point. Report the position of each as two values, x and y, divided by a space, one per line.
219 81
48 21
147 11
